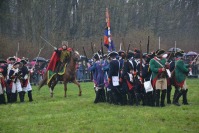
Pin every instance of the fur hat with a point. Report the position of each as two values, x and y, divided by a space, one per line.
65 43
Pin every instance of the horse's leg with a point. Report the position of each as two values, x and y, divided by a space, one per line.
52 85
77 83
65 88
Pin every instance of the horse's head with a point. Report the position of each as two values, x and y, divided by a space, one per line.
75 55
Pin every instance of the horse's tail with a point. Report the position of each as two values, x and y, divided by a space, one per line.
43 82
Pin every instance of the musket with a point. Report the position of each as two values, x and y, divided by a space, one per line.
194 60
102 50
17 51
92 48
148 45
38 56
47 42
85 54
124 45
141 62
127 52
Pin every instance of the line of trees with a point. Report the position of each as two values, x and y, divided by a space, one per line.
83 21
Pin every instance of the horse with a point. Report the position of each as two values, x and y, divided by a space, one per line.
68 76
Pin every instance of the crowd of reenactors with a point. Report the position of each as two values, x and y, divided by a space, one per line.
134 78
14 80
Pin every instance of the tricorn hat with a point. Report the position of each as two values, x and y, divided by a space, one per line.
130 54
11 58
137 55
3 61
113 53
96 56
23 61
16 63
120 52
159 52
179 54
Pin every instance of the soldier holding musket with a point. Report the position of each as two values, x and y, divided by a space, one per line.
158 67
181 71
26 87
15 82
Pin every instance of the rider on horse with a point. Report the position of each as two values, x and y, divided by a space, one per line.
59 58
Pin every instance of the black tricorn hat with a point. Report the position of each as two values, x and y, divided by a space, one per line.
137 55
120 52
3 61
159 52
179 54
130 54
113 53
96 56
23 61
136 50
16 63
12 58
105 56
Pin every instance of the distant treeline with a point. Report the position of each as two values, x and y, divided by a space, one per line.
83 21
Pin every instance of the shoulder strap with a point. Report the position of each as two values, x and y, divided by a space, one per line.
158 62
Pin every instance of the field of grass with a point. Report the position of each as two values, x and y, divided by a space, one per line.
79 114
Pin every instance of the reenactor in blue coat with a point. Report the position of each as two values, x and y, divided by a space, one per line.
127 77
146 75
113 77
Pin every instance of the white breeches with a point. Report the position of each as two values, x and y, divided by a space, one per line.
27 88
16 86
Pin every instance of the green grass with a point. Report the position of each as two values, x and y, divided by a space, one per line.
79 114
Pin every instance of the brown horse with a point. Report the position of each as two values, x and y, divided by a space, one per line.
68 76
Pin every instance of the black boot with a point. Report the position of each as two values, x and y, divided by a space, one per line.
8 97
169 94
21 97
114 96
2 100
157 98
13 97
184 94
175 93
23 94
103 95
97 97
30 96
163 97
178 95
107 96
110 96
124 99
130 98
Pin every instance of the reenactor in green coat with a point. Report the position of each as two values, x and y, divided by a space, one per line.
158 67
181 72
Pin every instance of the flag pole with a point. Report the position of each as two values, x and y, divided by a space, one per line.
159 43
